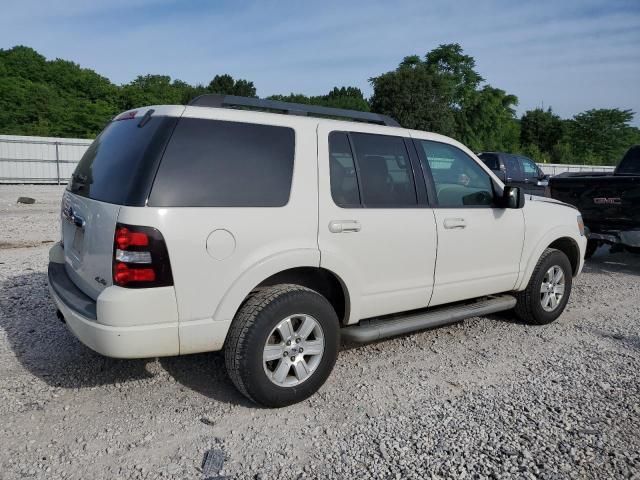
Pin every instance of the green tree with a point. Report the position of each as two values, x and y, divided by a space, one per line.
484 117
541 128
350 98
443 93
440 92
227 85
40 97
449 61
416 96
151 90
487 121
602 135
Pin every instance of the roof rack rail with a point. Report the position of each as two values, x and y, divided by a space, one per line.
227 101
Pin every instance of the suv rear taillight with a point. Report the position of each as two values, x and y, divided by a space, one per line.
140 258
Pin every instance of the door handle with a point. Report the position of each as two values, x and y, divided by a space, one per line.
344 226
454 223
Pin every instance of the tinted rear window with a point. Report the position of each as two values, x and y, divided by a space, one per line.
213 163
630 164
490 160
385 175
344 182
119 165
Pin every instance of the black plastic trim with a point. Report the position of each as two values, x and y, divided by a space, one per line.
426 173
74 298
418 176
227 101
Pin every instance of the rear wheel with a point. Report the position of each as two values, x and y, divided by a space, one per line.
282 345
548 290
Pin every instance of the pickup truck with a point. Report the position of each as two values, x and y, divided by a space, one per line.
610 204
517 171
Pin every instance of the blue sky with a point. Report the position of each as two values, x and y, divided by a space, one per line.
572 55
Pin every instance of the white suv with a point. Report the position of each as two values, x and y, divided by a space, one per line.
272 235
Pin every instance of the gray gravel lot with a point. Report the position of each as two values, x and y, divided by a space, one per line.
486 398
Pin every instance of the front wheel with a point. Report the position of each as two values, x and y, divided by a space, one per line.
548 290
282 345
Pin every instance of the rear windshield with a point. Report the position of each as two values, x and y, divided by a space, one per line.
630 164
119 165
214 163
490 160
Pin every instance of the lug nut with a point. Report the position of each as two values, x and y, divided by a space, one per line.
293 359
297 340
285 354
288 342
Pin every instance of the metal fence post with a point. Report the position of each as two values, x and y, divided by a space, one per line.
58 162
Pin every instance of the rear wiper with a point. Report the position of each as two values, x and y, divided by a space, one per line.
79 178
145 118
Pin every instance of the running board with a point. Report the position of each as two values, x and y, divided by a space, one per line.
375 329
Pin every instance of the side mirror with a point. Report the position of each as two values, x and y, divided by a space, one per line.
512 197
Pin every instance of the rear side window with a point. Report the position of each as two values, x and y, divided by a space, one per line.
119 165
490 160
630 164
514 168
344 182
384 171
529 168
214 163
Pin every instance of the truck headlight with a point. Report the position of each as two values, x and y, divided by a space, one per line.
580 225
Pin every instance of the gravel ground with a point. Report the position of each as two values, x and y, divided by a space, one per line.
486 398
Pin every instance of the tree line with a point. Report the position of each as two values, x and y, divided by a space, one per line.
441 92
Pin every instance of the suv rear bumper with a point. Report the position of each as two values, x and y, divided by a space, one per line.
98 324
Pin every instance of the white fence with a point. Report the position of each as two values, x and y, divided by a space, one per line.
39 159
52 160
558 168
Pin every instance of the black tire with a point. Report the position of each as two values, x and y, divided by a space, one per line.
634 250
250 329
592 246
529 308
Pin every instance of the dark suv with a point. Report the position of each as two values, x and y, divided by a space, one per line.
517 170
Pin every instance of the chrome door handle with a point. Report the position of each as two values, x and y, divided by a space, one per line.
344 226
451 223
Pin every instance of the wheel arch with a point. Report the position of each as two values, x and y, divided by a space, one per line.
300 267
570 248
559 239
321 280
